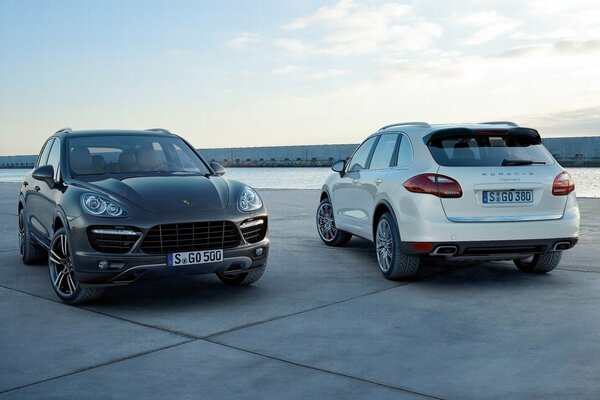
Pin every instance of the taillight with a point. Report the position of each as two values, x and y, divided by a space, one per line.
563 184
435 184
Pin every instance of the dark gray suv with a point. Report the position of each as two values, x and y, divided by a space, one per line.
108 207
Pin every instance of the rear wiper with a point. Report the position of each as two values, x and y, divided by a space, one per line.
507 162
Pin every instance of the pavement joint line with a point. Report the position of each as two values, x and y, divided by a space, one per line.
104 364
173 332
251 324
318 369
577 270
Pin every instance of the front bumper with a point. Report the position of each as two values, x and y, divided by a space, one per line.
135 264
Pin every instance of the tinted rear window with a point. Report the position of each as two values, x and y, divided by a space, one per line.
486 149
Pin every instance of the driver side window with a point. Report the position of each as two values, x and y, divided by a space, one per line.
361 156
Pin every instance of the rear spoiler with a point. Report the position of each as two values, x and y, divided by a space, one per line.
524 135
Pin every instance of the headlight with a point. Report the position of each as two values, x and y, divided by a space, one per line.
101 206
249 200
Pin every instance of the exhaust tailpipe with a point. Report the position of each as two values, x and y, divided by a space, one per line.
444 251
561 246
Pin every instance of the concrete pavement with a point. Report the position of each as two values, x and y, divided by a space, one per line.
322 323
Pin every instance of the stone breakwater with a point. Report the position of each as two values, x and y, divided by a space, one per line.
570 152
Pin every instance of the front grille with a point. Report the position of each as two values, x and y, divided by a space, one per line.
116 240
190 236
254 230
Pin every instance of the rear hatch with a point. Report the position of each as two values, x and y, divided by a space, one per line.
505 174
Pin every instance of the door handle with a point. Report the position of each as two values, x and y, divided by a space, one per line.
37 188
354 181
378 181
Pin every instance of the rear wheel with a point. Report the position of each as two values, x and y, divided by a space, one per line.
62 274
328 232
539 263
393 263
244 279
30 252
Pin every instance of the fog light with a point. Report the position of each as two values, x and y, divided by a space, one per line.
259 252
104 264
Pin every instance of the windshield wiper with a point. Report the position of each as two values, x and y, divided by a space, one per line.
507 162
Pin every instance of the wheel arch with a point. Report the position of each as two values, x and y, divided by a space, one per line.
60 221
325 194
381 208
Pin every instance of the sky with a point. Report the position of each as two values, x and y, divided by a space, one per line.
281 72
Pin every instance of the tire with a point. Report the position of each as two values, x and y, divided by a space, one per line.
539 263
394 264
326 228
31 253
243 279
62 274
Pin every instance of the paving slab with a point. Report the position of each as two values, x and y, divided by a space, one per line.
42 339
202 370
482 332
322 323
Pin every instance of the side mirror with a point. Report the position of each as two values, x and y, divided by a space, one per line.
218 168
45 174
339 166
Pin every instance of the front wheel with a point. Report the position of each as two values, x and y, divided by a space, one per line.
62 274
328 232
243 279
539 263
393 264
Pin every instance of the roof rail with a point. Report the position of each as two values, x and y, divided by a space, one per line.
65 130
499 123
159 130
417 123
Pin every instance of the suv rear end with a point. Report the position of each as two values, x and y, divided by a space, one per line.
501 193
416 190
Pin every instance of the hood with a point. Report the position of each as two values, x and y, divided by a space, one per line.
165 194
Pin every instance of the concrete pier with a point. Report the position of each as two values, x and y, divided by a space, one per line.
323 323
570 152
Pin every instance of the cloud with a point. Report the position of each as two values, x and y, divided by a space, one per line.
348 28
310 73
581 121
574 46
244 40
490 25
293 46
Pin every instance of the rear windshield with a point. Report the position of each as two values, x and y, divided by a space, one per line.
486 149
118 154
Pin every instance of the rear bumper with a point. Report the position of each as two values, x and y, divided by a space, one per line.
490 248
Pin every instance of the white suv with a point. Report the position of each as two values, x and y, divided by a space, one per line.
489 190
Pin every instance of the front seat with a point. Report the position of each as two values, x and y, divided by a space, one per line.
81 161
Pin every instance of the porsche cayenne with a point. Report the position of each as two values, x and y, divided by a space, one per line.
109 207
475 190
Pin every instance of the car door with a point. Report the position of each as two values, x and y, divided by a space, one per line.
376 180
41 201
350 199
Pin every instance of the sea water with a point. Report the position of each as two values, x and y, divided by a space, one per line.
587 180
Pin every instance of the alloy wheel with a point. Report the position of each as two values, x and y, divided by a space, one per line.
326 223
61 267
383 245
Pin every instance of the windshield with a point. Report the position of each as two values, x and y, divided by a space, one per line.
487 151
127 154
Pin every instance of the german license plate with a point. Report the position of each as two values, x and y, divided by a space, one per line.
194 257
508 197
